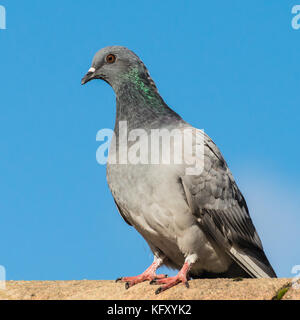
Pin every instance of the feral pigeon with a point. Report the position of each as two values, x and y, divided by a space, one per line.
195 222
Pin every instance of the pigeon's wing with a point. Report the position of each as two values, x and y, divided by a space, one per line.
222 213
121 213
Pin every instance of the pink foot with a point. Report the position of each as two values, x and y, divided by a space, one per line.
147 275
173 281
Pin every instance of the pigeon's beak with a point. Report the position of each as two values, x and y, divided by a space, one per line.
89 76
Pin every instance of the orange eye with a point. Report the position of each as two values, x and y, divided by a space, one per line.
111 58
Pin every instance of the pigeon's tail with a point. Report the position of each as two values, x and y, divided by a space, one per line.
254 262
248 264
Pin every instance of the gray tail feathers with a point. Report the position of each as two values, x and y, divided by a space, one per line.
255 262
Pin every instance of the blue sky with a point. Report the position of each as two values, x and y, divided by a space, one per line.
230 67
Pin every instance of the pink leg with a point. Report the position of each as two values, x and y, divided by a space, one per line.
182 276
148 275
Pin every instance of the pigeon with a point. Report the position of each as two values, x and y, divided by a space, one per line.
197 223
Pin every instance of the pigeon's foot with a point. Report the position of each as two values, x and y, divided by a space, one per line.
173 281
147 275
131 281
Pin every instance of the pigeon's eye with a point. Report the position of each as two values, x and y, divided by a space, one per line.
111 58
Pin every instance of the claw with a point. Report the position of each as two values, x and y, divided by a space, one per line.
167 283
237 279
147 275
159 290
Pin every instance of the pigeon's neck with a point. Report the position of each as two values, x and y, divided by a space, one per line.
140 104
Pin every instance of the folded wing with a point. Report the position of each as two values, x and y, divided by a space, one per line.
222 213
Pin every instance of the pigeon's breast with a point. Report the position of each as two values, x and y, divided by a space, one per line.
147 193
152 204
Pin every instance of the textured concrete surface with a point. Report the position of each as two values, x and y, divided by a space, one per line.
293 292
202 289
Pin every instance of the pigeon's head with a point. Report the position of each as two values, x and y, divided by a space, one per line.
114 65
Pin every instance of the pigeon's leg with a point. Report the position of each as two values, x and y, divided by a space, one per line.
148 275
182 276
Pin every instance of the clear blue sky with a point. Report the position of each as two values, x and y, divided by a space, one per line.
230 67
